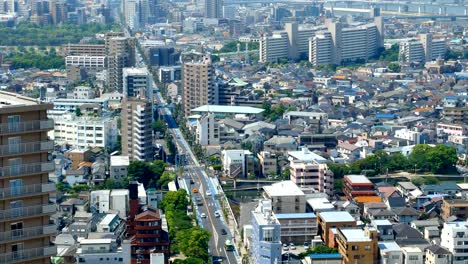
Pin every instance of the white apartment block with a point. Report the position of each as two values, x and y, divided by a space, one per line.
309 174
83 92
234 162
90 63
422 50
274 48
321 49
454 237
407 134
207 130
118 169
103 251
136 83
85 131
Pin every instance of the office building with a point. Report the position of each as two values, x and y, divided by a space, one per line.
136 13
286 197
454 237
145 230
170 74
423 50
266 235
163 56
137 83
137 134
120 54
198 82
213 8
85 50
357 245
25 210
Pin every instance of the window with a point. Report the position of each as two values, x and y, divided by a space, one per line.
367 247
356 256
413 257
354 248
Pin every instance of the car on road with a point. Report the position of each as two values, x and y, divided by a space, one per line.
203 215
285 247
208 193
217 214
223 232
195 190
292 246
199 201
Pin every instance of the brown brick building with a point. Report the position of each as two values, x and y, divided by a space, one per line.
456 207
25 228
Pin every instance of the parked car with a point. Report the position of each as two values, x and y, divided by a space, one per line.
203 215
292 246
285 247
306 246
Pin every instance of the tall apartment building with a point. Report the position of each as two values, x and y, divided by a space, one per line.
454 237
286 197
213 8
422 50
136 13
137 83
120 54
335 45
266 235
137 138
198 82
25 228
311 174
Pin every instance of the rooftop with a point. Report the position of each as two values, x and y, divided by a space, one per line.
119 160
135 71
299 215
326 256
8 99
384 222
284 188
106 241
336 216
230 109
389 246
354 235
306 155
358 179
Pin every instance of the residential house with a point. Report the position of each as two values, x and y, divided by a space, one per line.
357 245
405 214
412 255
390 253
455 207
333 219
384 229
436 254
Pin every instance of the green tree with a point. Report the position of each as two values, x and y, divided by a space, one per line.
189 261
319 249
78 111
165 179
390 54
146 172
394 67
159 126
175 201
194 242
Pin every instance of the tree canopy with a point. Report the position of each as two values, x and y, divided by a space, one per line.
193 242
146 172
390 54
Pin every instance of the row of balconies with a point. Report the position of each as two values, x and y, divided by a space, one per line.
26 169
21 212
26 126
26 148
27 190
28 254
27 233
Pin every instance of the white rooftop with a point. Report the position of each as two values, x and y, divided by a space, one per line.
108 219
358 179
389 246
284 188
231 109
305 155
384 222
8 99
412 249
336 216
119 192
320 203
135 71
119 160
106 241
355 235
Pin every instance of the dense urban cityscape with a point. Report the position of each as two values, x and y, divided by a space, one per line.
234 131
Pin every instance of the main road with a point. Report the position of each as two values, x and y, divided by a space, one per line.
213 219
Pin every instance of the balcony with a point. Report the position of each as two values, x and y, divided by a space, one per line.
26 148
27 126
21 212
28 254
27 233
27 190
27 169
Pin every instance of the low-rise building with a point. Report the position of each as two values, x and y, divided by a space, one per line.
455 207
357 185
104 250
333 219
412 255
268 162
286 197
118 169
390 253
330 258
357 245
436 254
297 228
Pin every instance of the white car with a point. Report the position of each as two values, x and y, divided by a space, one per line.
203 215
217 214
208 193
285 247
292 246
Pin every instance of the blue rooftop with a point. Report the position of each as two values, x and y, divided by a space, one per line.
383 115
299 215
326 256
